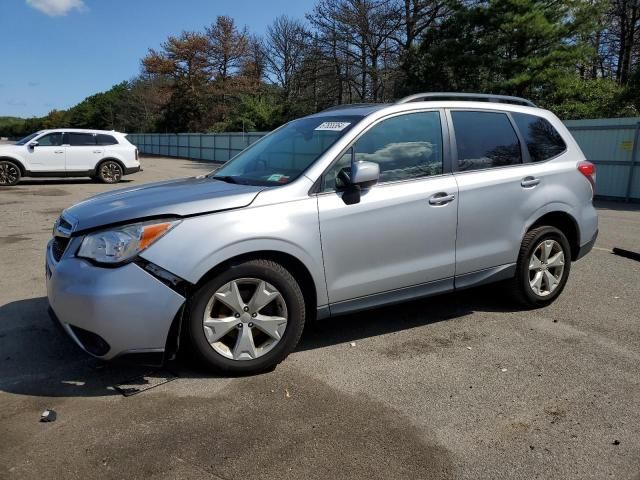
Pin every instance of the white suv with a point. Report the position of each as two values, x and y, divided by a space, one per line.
101 155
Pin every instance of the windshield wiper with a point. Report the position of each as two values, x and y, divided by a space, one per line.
225 178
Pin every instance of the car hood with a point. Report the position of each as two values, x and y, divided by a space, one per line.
7 147
180 197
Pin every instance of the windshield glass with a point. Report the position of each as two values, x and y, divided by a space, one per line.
27 139
281 156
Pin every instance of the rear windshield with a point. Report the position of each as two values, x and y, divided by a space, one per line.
282 156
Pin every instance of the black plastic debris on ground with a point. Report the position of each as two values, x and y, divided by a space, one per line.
49 415
621 252
144 382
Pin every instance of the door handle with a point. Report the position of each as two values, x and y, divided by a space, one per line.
441 198
97 151
529 182
58 151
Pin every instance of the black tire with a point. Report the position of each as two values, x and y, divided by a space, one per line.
269 271
9 173
109 171
523 293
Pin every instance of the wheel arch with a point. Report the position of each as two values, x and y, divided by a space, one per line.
563 221
106 159
19 164
298 269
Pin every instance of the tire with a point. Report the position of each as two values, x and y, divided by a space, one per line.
223 344
109 171
9 173
537 285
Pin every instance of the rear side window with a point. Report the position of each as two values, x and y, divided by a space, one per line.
102 139
543 141
485 140
81 139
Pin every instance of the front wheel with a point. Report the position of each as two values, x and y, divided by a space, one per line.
543 267
247 319
9 173
110 172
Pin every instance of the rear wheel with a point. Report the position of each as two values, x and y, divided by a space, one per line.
543 267
247 319
9 173
110 172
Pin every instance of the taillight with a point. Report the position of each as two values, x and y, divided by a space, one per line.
136 154
588 169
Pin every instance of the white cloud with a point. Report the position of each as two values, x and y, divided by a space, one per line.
56 8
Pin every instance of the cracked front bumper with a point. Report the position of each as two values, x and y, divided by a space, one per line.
126 307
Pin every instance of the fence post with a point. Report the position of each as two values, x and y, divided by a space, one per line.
634 159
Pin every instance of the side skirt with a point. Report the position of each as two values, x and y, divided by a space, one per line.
468 280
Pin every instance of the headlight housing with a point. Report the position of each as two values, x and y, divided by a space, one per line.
121 244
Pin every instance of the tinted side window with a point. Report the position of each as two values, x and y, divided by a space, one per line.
50 140
81 139
485 140
543 141
103 139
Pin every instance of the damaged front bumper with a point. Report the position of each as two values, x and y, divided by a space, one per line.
110 312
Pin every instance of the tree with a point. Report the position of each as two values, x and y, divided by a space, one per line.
227 47
520 47
286 46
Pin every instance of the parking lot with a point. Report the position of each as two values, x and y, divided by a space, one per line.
459 386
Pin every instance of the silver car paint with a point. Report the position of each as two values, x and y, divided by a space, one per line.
351 251
126 306
180 197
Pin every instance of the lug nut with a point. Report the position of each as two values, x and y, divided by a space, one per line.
246 309
239 325
250 324
237 315
254 315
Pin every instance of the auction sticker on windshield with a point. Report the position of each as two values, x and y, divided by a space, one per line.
333 126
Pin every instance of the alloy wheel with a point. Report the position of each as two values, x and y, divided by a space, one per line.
546 267
245 319
110 172
9 173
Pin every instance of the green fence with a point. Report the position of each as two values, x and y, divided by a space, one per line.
218 147
613 144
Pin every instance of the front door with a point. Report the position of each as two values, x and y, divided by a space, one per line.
402 231
48 155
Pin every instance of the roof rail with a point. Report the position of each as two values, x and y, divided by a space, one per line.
479 97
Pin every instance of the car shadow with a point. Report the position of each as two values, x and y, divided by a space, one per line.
65 181
38 359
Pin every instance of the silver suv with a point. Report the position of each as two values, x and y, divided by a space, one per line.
352 208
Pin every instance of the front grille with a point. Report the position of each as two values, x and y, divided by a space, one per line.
58 247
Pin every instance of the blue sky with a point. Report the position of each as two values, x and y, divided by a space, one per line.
54 53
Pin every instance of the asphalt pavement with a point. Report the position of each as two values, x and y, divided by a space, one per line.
461 386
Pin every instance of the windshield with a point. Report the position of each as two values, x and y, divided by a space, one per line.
281 156
27 139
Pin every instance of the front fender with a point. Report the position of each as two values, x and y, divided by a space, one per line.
21 163
201 243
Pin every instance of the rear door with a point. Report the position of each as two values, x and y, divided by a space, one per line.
83 152
399 234
499 188
48 155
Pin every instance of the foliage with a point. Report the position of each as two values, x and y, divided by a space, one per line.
580 58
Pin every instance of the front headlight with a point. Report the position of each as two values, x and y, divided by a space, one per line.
121 244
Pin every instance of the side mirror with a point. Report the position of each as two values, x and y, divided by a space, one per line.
365 174
33 145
